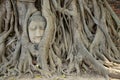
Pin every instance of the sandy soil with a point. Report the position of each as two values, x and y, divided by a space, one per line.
63 77
68 78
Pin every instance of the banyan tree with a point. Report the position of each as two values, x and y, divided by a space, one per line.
58 36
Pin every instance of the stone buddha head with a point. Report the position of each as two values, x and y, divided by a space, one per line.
36 27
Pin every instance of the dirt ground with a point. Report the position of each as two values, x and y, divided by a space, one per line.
63 77
69 78
86 77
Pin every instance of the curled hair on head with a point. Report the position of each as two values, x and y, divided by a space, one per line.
37 17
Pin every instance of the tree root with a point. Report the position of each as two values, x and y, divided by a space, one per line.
80 35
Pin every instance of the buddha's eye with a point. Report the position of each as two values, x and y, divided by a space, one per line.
33 28
41 27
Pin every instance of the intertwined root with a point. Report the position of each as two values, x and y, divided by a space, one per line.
80 35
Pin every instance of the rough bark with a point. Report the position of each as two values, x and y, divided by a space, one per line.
80 36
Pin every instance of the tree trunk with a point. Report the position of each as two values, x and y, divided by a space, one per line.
78 36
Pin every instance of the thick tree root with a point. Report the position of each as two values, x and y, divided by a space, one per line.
79 35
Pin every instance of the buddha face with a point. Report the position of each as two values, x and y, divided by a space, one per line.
35 31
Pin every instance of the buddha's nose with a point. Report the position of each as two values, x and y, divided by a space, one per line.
39 33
